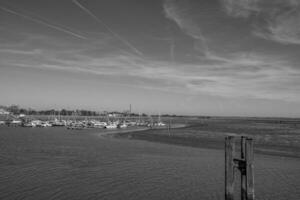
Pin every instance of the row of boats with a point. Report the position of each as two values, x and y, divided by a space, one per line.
82 124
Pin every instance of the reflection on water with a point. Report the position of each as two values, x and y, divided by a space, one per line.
61 164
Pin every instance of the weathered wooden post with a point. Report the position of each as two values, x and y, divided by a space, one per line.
243 174
229 167
169 127
249 157
244 164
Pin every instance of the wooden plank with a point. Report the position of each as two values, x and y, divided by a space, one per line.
249 169
243 170
229 168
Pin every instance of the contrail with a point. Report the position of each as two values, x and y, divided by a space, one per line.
42 22
108 28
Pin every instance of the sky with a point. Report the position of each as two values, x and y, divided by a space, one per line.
191 57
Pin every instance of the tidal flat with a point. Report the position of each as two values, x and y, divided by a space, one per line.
272 136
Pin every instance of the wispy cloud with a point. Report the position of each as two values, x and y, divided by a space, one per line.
241 8
179 12
284 28
238 76
231 75
18 51
272 20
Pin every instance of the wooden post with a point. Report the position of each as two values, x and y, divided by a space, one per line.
169 127
244 164
249 169
229 167
243 171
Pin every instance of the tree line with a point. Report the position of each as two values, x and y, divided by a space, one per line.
16 110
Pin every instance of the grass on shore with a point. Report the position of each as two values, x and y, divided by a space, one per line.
271 136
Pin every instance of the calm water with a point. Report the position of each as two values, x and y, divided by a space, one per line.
57 163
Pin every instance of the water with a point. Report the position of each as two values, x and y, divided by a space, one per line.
57 163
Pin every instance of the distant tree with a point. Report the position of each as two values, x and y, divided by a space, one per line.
3 107
31 111
14 109
63 112
23 111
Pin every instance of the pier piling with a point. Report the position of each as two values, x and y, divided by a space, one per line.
244 165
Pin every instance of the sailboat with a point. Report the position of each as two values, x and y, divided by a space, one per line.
160 123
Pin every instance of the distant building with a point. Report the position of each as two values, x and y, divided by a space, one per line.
4 112
115 114
22 115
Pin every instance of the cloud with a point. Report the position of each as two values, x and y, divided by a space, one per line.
22 52
238 75
179 12
276 20
240 8
249 76
284 28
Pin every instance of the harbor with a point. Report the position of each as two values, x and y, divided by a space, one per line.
78 122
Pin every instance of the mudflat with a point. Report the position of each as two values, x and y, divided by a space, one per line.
273 136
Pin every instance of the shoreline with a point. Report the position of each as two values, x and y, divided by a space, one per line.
114 132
